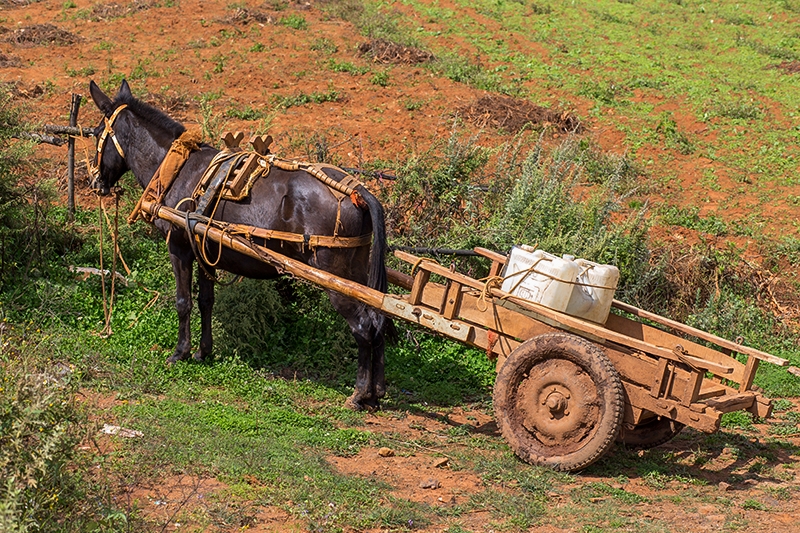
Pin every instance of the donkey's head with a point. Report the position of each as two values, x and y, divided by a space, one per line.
109 162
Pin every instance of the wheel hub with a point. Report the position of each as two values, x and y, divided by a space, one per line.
558 404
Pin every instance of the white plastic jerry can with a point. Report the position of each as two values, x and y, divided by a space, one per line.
591 298
540 277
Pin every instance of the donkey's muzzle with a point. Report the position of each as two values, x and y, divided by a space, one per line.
96 184
101 188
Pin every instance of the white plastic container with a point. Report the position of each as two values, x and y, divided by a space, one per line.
540 277
591 298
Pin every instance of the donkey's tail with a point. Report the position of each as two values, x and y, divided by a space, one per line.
377 255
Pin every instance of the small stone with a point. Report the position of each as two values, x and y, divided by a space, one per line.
386 452
724 486
441 462
430 483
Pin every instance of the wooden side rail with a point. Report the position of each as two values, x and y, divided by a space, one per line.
700 334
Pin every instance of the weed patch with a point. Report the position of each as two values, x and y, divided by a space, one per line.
301 98
461 70
604 93
41 428
775 52
372 19
673 137
738 110
247 113
294 21
323 44
346 66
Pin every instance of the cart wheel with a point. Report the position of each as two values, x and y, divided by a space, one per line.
558 401
652 433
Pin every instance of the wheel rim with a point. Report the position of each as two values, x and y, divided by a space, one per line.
559 405
559 401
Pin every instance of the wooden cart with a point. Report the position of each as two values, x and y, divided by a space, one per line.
566 388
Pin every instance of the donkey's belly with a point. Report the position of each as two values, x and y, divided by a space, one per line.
241 265
244 265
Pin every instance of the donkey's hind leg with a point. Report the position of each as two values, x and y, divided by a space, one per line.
358 317
181 258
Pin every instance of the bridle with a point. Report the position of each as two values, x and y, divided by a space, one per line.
108 132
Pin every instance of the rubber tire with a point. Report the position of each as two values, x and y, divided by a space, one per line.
592 361
652 433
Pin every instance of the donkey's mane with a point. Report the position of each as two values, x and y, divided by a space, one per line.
152 115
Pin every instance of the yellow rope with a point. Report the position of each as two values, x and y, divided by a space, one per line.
422 260
205 236
489 284
102 271
156 294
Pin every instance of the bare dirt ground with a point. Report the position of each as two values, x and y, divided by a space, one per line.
177 57
723 486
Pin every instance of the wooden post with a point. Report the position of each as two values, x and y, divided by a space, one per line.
73 121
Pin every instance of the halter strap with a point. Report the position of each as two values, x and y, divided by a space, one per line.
108 131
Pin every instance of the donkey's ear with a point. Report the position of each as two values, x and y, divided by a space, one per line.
102 101
124 92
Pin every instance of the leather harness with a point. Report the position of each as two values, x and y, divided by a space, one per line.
217 185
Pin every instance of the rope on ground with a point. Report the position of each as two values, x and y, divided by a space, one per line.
102 270
108 310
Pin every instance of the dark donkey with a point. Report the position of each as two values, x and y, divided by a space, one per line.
288 201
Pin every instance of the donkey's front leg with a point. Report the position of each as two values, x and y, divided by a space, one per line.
181 258
205 300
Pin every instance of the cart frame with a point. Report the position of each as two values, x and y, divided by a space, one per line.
666 381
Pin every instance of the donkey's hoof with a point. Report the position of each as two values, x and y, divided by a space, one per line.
199 356
353 404
362 404
175 358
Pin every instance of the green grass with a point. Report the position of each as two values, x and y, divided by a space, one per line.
268 438
634 57
303 98
346 66
294 21
247 113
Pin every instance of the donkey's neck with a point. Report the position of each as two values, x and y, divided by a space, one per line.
146 153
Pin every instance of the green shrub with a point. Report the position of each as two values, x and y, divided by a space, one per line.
285 102
36 442
455 200
41 483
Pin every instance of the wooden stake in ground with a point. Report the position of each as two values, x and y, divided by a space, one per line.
73 121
